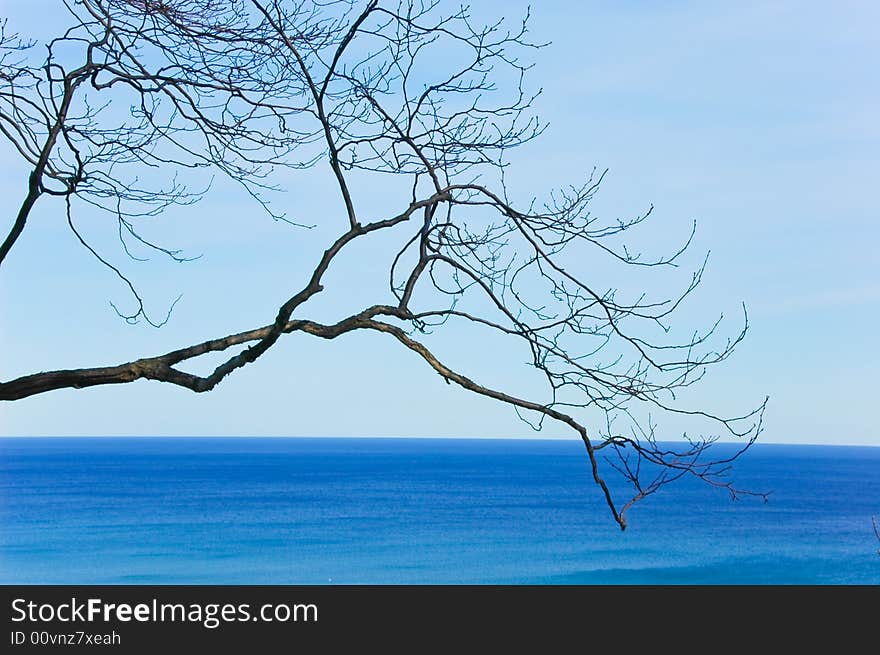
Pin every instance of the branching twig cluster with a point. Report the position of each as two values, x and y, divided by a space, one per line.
240 88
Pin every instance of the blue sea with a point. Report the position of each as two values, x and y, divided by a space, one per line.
437 511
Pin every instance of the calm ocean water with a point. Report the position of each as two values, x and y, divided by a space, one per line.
318 511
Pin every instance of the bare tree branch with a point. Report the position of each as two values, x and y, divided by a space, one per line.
233 92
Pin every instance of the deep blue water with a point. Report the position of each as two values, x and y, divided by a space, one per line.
317 511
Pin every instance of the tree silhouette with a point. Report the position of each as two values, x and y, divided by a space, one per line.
408 91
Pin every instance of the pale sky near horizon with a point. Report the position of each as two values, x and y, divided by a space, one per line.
757 119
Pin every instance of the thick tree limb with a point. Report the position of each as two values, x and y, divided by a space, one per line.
161 367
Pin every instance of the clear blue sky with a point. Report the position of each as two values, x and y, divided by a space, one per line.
759 120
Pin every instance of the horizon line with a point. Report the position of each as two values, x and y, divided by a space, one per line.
403 437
